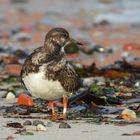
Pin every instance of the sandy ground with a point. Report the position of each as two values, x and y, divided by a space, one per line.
78 131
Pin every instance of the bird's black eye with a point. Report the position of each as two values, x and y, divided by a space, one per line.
65 35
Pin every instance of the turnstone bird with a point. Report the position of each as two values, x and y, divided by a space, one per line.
47 74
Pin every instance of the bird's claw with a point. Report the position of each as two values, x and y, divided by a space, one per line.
54 117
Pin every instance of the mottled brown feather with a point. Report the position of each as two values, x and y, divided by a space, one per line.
55 66
69 79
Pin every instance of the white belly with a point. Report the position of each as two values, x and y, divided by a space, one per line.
38 86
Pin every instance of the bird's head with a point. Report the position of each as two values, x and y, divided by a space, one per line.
57 39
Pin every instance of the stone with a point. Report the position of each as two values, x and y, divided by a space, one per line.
40 127
64 125
10 96
27 122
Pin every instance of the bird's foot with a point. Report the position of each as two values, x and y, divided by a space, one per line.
63 117
54 117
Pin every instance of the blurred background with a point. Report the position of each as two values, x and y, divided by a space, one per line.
109 30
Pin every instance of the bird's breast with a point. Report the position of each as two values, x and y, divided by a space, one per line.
38 85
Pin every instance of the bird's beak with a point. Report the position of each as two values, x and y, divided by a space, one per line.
71 41
75 42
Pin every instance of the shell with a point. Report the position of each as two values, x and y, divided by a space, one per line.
40 127
128 114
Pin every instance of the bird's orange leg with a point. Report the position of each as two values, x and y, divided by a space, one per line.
51 104
54 115
65 105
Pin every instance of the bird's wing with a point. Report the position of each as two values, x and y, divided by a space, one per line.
69 79
32 62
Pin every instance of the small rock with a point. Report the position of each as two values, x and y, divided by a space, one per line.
99 48
137 84
40 127
36 122
10 96
128 114
49 124
21 111
64 125
27 122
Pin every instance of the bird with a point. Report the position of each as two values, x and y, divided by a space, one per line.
47 74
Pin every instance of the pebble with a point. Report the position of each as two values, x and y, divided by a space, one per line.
64 125
20 110
137 84
10 96
36 122
27 122
49 124
128 114
99 48
40 127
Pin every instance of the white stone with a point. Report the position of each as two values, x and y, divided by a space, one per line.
128 114
10 96
137 84
40 127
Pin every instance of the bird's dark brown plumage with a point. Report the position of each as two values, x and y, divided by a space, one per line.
51 57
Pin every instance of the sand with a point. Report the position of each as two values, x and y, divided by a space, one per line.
79 131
